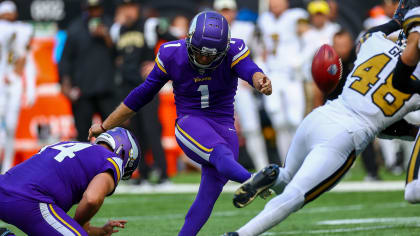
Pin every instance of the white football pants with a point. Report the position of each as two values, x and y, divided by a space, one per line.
320 154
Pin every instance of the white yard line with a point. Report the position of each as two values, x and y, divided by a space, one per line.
393 220
231 187
330 231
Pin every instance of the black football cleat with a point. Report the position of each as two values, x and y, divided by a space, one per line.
256 185
6 232
230 234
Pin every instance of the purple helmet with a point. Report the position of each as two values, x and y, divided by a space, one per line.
125 146
209 35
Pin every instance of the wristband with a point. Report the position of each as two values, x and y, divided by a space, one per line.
103 129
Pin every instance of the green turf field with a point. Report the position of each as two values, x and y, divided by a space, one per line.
368 213
374 213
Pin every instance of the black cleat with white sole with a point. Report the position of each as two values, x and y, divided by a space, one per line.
6 232
256 185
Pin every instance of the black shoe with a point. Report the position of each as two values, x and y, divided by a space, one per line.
6 232
257 184
230 234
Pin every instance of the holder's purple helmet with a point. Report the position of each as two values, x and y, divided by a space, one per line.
209 35
125 146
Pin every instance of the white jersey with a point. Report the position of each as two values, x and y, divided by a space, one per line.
369 102
280 37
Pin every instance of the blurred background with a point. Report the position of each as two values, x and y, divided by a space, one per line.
82 57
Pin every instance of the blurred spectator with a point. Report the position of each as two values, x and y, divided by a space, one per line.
379 15
286 105
246 105
389 7
135 61
333 10
321 32
15 54
87 67
343 44
165 32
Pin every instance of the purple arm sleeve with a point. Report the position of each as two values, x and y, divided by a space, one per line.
245 69
145 92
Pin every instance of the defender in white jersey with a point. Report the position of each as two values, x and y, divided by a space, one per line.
329 139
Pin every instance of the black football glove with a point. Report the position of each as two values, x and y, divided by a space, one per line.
400 130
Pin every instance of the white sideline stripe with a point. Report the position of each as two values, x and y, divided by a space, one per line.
231 187
398 220
340 230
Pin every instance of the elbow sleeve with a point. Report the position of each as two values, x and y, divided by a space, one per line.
387 28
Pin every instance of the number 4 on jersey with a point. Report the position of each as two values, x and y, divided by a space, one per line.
385 96
67 150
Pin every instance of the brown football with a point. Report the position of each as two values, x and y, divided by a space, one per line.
326 68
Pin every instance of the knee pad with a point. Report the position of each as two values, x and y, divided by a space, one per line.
412 192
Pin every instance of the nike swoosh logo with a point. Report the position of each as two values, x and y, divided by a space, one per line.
231 129
242 46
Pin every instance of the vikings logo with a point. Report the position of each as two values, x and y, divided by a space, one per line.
130 157
332 69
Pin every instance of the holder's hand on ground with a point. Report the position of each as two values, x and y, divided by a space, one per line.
109 227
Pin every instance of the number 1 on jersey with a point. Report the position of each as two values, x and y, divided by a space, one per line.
205 96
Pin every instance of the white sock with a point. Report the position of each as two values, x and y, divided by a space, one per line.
275 211
412 192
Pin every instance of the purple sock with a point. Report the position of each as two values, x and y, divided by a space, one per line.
223 160
210 188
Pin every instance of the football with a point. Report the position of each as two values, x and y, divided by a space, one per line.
326 68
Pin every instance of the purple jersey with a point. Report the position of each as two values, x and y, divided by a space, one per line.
210 94
60 173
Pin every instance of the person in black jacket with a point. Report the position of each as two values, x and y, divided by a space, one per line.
87 67
134 61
